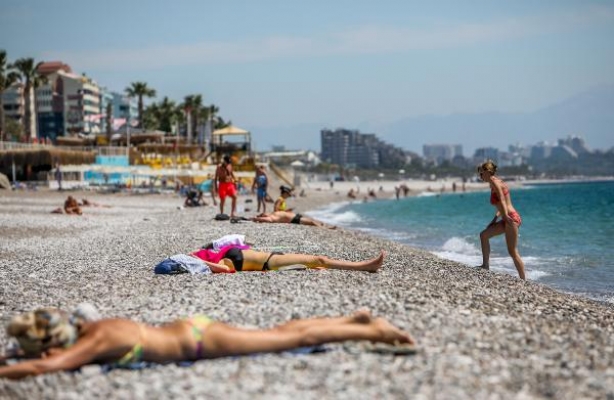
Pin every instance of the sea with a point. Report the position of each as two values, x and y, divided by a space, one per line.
566 237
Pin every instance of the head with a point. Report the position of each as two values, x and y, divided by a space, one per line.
226 159
487 167
285 191
46 328
40 330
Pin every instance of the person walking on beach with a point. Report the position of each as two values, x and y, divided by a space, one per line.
225 180
261 182
58 175
65 343
509 221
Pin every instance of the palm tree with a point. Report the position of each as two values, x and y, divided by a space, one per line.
29 76
193 105
7 78
140 90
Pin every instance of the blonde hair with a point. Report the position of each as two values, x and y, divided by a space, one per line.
39 330
489 166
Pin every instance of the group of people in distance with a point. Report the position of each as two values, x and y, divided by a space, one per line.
225 178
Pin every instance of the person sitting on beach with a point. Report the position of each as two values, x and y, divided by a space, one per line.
510 218
280 203
61 343
233 258
289 217
71 207
194 198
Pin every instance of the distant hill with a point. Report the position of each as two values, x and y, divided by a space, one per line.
589 114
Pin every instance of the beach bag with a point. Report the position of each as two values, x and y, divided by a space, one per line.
181 264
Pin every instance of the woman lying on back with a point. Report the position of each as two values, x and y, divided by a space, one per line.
66 344
241 258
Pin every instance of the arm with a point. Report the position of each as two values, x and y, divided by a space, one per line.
502 208
83 352
494 220
219 268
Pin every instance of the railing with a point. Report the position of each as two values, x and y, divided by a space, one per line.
38 146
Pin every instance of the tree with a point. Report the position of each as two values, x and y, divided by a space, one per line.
31 79
140 90
193 105
7 78
14 130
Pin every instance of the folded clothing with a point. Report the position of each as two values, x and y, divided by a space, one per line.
180 264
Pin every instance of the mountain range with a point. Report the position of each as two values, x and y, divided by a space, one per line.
589 114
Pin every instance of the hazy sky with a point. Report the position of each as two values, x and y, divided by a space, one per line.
344 62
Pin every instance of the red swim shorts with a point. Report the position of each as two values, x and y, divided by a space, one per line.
227 189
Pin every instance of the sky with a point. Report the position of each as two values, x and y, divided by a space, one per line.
343 63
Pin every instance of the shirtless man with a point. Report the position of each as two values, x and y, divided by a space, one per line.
71 206
289 217
225 181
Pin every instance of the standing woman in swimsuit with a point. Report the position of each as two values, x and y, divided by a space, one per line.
510 219
63 344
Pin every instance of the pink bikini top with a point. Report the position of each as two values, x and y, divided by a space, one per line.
494 197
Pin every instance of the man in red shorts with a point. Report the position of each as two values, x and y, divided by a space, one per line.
225 180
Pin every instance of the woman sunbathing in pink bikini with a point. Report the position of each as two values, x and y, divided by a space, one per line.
510 218
66 344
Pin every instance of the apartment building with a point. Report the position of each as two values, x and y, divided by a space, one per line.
68 103
442 152
350 148
13 102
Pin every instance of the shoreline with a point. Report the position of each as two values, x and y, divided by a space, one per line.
481 334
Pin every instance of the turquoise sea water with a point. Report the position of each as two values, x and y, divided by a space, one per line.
565 239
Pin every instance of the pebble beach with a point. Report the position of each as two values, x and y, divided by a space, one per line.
481 335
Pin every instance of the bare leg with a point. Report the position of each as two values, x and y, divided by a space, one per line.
223 340
282 260
222 201
485 235
362 316
233 210
312 222
511 239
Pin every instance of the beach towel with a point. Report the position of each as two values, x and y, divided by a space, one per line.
180 264
228 240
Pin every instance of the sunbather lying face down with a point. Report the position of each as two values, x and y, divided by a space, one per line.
232 258
289 217
67 346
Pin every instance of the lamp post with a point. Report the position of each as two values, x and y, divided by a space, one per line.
128 131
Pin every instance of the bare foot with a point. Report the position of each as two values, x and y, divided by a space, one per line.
376 263
484 266
391 334
362 316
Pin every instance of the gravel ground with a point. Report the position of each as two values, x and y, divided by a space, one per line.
482 335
